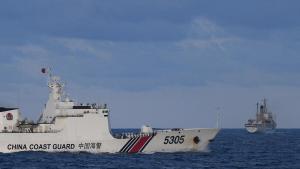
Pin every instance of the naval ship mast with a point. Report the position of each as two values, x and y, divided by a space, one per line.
57 98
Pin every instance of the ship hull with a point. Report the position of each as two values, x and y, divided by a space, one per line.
260 128
160 141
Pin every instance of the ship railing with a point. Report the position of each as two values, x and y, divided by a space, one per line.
94 105
132 135
30 131
69 115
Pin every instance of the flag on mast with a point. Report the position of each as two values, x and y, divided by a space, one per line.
44 70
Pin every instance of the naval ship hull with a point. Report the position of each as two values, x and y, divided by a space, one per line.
161 141
94 135
259 128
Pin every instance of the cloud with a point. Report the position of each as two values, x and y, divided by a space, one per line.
140 21
33 50
202 27
207 55
165 53
213 42
204 33
86 47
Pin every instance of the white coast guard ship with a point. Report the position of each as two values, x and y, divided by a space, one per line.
264 121
67 126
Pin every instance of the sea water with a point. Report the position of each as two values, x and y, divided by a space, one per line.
232 148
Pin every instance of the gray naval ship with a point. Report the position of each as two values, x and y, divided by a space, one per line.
264 122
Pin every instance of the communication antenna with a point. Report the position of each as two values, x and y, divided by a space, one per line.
218 117
19 97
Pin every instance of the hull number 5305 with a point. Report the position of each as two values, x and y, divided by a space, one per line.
174 139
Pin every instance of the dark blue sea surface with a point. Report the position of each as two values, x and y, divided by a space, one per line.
232 148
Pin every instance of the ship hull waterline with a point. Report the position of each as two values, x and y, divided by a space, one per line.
160 141
259 129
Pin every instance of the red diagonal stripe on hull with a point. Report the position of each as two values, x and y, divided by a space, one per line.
138 145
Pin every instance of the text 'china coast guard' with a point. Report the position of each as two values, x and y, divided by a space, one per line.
65 125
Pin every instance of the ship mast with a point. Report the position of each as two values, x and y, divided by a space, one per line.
265 105
257 111
55 96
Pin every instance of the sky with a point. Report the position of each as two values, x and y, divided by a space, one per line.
165 63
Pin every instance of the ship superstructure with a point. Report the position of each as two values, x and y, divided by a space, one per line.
264 120
65 125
